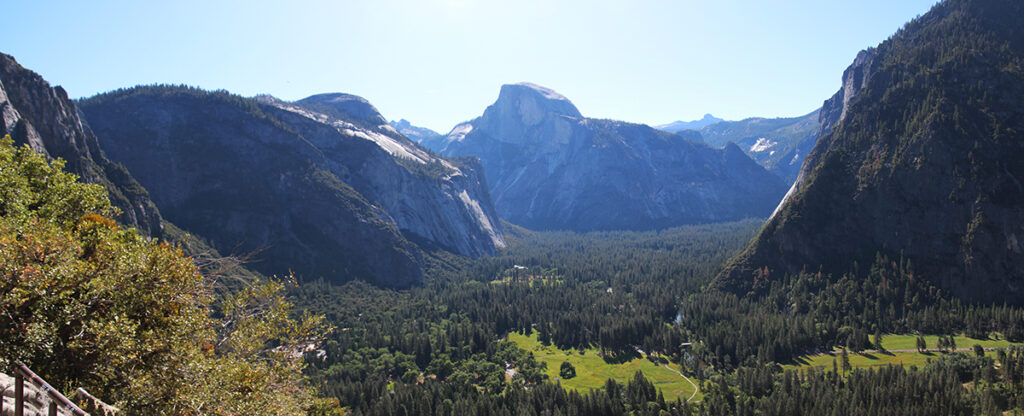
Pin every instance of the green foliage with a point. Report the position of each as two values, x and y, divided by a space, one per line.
952 384
89 304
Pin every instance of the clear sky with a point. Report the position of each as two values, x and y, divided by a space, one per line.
440 62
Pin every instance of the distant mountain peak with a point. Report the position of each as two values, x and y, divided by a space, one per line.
546 92
338 97
422 135
679 125
531 103
345 106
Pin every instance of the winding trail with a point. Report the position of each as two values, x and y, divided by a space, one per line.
695 388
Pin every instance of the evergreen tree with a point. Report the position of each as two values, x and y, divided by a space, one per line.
567 370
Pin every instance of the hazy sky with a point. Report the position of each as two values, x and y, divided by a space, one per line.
439 62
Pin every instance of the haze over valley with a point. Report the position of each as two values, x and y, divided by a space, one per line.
175 247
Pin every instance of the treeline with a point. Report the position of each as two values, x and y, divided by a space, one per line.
636 397
954 384
786 316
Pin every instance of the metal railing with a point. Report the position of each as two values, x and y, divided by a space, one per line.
57 400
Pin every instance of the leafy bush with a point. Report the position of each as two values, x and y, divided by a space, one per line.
87 303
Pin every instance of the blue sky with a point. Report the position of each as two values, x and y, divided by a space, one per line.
439 62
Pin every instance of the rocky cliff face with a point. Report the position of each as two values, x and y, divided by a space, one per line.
920 158
855 78
323 187
43 117
551 168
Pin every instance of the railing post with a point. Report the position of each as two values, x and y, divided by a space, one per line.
21 371
19 394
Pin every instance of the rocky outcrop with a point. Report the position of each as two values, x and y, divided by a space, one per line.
551 168
855 78
323 186
920 159
43 117
425 137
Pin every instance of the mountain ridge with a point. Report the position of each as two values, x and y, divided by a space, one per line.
309 190
778 144
680 125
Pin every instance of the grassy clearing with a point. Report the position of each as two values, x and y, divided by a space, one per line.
864 360
531 280
592 371
896 342
909 342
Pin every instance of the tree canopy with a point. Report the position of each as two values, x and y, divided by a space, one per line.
88 303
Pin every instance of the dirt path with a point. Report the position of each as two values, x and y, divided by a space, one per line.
695 388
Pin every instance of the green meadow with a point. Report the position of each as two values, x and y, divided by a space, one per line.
909 342
592 370
893 343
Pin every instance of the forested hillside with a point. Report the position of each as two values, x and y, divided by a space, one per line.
923 164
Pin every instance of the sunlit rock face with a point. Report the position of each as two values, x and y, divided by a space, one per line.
549 167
